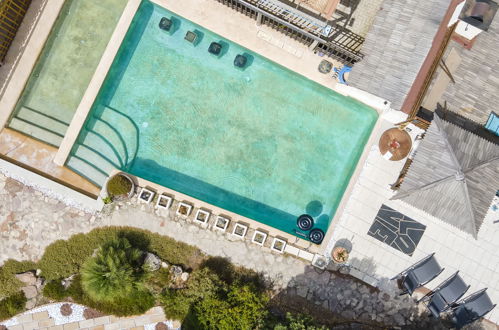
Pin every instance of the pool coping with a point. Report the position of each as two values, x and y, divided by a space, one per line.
379 105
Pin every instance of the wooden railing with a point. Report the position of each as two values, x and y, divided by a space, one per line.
11 15
333 41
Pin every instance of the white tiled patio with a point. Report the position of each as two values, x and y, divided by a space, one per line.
377 262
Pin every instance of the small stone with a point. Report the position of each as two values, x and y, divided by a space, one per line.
385 297
30 291
28 278
30 304
184 277
152 262
399 319
164 264
325 304
39 283
302 291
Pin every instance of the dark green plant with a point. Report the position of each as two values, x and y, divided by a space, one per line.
55 290
242 308
298 322
114 273
64 258
118 185
12 305
9 284
107 200
202 284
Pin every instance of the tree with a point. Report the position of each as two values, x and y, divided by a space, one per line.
243 307
115 272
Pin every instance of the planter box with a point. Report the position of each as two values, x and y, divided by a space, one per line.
259 237
184 209
164 202
202 216
146 195
221 223
278 245
240 230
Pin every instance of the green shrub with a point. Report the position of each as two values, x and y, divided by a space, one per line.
118 185
298 322
202 284
242 308
55 290
114 273
9 284
137 303
64 258
12 305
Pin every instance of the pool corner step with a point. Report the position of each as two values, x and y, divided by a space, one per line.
87 170
36 131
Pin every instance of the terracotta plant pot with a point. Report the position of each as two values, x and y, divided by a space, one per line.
340 255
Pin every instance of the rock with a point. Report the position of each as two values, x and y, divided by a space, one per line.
164 264
30 291
347 293
302 291
399 319
176 271
325 304
67 281
348 314
28 278
39 283
152 262
184 277
385 297
30 304
38 272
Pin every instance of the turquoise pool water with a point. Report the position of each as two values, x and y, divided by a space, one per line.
263 142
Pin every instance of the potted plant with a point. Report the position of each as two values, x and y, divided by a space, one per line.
340 255
120 186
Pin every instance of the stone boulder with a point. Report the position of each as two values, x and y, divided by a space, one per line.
28 278
176 272
152 262
184 277
30 291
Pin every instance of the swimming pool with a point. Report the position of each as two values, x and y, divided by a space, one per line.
263 142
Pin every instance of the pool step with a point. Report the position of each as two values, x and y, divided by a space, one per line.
40 119
101 144
96 159
118 153
87 170
36 131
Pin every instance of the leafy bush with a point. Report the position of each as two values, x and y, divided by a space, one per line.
118 185
298 322
242 308
55 290
202 284
218 297
114 273
12 305
137 303
9 284
64 258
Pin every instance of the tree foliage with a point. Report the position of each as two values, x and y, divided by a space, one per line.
114 273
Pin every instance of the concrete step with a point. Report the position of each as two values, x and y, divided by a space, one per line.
98 160
48 122
86 170
36 131
104 145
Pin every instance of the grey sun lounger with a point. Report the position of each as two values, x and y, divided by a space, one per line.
419 274
447 293
471 308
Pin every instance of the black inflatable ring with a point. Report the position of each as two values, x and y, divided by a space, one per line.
316 236
305 222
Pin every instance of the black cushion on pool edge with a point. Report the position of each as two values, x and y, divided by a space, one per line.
316 236
240 61
165 24
305 222
215 48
